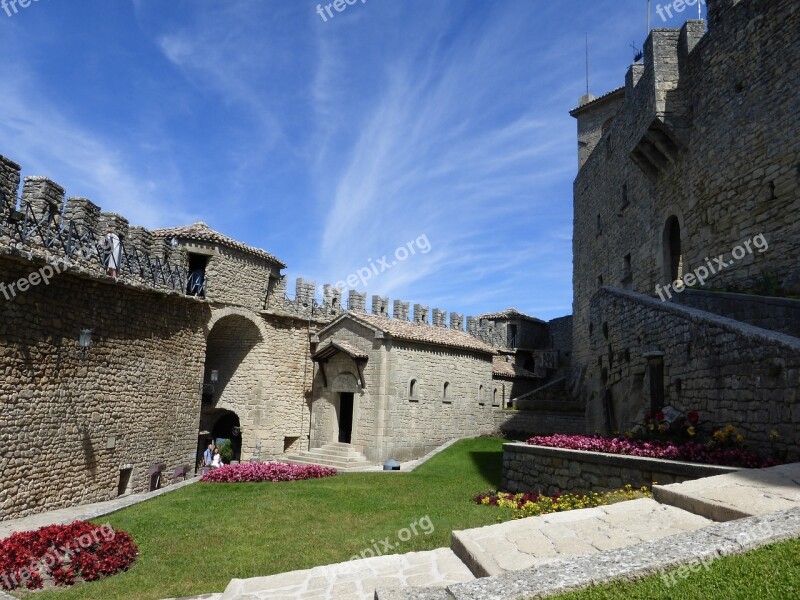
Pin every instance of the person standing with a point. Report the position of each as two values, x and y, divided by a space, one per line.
208 455
112 252
216 462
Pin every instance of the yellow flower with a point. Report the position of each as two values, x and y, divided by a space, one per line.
691 431
650 427
662 427
740 438
774 436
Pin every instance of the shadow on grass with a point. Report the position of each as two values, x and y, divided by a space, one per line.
490 465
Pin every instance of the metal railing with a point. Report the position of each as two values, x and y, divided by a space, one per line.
62 237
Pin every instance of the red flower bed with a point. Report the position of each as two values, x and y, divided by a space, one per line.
255 472
64 555
690 451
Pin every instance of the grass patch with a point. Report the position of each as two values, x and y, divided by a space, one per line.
769 572
196 539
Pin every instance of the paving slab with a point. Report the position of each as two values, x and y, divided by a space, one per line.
693 550
523 543
736 495
356 579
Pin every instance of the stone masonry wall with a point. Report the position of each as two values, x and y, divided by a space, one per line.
236 278
728 371
550 470
722 107
415 426
68 424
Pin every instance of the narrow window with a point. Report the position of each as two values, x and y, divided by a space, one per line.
480 396
412 389
627 273
446 393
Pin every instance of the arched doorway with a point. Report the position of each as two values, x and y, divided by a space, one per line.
673 251
232 391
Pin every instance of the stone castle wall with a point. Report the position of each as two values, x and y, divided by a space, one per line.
69 424
707 133
728 371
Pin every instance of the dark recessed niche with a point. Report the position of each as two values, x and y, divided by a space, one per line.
605 330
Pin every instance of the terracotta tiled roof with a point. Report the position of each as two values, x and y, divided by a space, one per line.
203 233
426 334
509 313
503 368
333 346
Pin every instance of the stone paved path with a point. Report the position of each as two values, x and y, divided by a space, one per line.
355 580
84 512
737 495
523 543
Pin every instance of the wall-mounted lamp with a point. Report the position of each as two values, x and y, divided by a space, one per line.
214 376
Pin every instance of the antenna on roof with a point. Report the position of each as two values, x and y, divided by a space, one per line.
650 12
587 63
637 53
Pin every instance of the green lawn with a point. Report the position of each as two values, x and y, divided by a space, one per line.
197 539
772 572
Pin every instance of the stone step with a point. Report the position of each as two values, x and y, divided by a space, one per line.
355 579
526 543
736 495
326 462
335 452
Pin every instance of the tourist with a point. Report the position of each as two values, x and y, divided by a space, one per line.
208 455
216 462
112 252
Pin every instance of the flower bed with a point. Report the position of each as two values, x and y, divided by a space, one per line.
257 472
533 504
62 555
689 451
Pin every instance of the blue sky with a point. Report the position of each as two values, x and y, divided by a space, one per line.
329 143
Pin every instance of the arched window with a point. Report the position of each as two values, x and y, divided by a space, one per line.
494 398
480 396
446 392
412 388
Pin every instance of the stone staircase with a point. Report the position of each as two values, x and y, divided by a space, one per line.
685 523
343 457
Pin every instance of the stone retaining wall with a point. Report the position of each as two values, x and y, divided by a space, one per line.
540 468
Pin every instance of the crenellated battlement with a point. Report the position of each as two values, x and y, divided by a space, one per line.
43 224
306 303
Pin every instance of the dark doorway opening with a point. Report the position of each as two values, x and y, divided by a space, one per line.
229 428
345 417
196 285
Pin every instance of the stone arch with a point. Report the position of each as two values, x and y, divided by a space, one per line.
219 314
345 382
235 339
